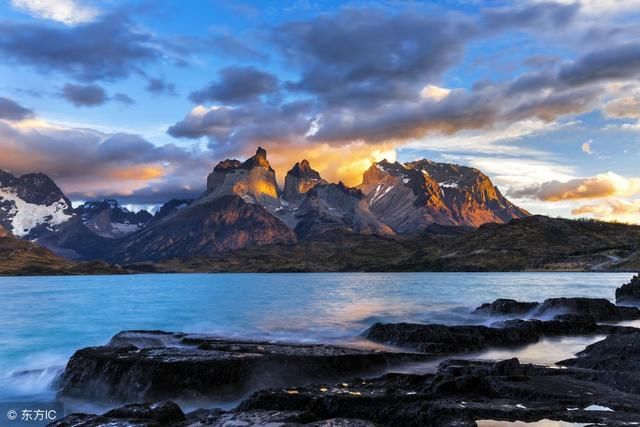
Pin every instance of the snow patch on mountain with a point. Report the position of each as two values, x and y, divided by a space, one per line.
26 216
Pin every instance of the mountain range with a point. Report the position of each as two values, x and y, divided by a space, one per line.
406 208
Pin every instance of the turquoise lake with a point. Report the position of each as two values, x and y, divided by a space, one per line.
45 319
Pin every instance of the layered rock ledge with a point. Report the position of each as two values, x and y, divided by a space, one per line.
154 365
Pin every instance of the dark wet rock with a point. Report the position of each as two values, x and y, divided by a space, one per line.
459 393
629 293
123 417
504 307
444 339
164 413
614 361
197 367
601 309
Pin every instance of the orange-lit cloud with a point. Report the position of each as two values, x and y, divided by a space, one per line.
601 186
344 163
137 173
612 210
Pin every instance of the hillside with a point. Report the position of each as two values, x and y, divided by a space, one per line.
529 244
23 258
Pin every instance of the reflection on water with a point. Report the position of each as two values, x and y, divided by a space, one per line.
45 319
541 423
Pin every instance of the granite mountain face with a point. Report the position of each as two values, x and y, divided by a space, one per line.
412 196
243 206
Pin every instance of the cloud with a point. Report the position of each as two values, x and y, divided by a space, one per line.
600 186
612 210
161 86
90 164
230 46
110 48
91 95
251 124
84 95
69 12
623 108
237 85
586 147
11 110
123 98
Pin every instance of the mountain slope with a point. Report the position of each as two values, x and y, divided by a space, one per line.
205 227
411 196
31 204
108 219
530 244
19 258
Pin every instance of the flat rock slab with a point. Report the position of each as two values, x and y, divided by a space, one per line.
201 367
444 339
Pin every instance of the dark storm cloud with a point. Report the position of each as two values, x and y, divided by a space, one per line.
364 55
237 85
364 70
611 63
11 110
543 15
161 86
253 123
107 49
84 95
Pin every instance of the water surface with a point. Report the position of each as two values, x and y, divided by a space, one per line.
45 319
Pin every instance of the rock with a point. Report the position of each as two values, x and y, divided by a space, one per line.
629 292
196 367
602 310
159 414
502 307
329 207
124 417
299 180
614 361
254 179
442 339
460 393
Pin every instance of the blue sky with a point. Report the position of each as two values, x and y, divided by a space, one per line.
139 100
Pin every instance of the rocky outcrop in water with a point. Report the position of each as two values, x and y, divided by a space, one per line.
600 309
629 293
158 365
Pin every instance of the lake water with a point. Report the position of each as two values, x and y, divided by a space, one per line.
43 320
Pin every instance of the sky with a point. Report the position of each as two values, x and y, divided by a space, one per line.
138 100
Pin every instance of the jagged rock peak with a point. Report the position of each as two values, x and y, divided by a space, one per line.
227 164
303 169
299 180
253 180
